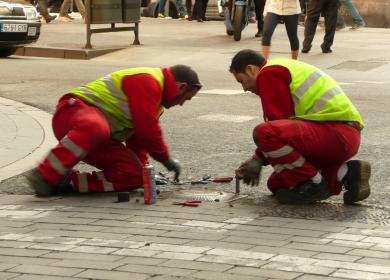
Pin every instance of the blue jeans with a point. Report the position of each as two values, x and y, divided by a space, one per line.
179 5
354 13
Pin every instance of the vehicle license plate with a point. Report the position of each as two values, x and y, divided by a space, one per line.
13 27
32 31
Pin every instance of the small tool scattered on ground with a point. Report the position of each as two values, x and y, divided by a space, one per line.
190 203
205 180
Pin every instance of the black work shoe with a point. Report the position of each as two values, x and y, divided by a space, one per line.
41 188
306 49
38 184
304 193
326 49
259 34
356 181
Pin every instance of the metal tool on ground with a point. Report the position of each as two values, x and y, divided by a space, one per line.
236 197
205 180
190 203
150 189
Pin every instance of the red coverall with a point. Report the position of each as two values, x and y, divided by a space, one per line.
86 126
311 146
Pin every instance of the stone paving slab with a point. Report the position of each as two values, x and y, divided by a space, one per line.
76 249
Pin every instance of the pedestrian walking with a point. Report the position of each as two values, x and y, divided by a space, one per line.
311 131
329 9
64 10
358 21
113 124
277 10
259 10
43 11
165 14
199 11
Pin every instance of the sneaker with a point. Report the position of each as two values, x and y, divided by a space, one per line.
339 27
304 193
357 26
160 15
356 181
68 16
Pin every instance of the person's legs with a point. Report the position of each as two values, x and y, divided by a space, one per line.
44 12
291 23
161 8
189 9
64 10
353 11
80 7
312 16
181 9
270 22
330 15
298 149
259 10
340 21
120 170
204 9
79 128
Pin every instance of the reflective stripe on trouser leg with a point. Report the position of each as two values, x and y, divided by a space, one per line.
290 167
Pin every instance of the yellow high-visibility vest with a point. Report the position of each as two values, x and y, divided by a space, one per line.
316 95
106 93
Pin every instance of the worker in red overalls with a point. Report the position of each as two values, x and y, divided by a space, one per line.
310 132
113 124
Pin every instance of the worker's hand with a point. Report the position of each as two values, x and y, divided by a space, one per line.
250 171
173 165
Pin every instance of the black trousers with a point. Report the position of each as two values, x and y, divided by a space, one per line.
329 10
259 9
200 8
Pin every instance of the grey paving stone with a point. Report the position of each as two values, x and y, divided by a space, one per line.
13 223
111 275
45 270
209 275
266 273
345 236
352 244
258 234
359 275
336 257
114 243
26 260
177 256
22 252
92 264
53 247
167 227
100 215
231 260
255 241
81 256
176 248
240 254
194 235
284 250
8 275
296 267
155 270
317 277
377 240
206 224
136 252
219 244
196 265
299 232
369 253
318 226
94 249
375 261
5 266
64 220
135 231
14 244
317 247
140 260
354 266
312 240
158 239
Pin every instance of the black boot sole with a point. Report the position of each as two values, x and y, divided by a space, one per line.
358 187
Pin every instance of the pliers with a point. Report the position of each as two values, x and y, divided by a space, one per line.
190 203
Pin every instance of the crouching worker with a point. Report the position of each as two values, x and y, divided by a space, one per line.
310 132
113 124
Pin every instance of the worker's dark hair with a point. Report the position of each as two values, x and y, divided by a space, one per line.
244 58
185 74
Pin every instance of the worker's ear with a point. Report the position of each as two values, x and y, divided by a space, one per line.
252 70
181 87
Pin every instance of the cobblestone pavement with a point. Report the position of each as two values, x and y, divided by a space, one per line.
92 237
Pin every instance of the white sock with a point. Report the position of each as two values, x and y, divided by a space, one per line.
342 172
317 178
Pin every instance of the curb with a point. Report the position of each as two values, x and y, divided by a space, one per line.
34 138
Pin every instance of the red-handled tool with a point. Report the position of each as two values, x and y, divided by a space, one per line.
190 203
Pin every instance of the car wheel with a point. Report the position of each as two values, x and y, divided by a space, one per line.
4 52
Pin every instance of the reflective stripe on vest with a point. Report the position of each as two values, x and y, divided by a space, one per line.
316 96
106 93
